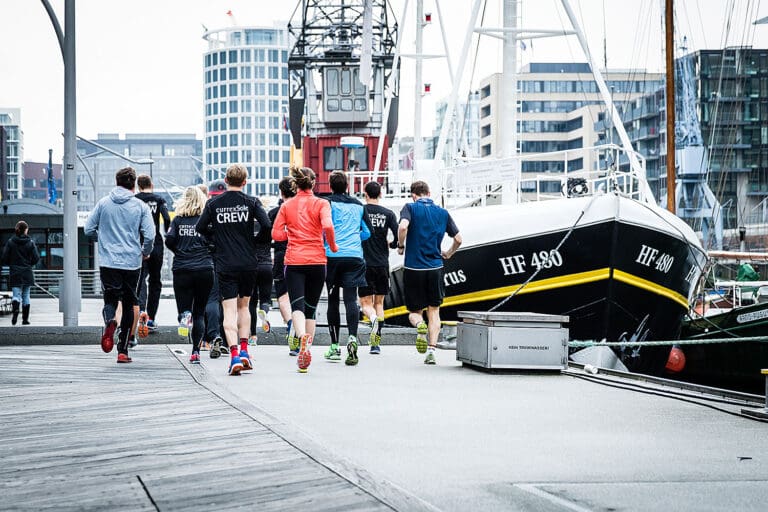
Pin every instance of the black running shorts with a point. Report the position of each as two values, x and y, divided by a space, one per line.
378 282
345 272
236 284
423 288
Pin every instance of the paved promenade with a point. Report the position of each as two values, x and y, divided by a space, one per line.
81 432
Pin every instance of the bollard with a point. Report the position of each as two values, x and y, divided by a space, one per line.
764 371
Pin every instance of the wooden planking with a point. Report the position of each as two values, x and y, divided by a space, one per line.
78 429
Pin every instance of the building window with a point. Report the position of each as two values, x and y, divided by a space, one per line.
274 72
245 55
333 159
233 89
232 56
233 73
485 111
245 72
233 123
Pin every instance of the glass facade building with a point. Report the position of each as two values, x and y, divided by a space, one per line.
246 99
731 89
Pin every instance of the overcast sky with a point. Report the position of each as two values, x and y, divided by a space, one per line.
140 65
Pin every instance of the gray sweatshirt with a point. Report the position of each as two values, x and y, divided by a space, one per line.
117 221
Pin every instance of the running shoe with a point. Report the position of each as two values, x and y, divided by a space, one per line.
108 337
194 358
293 345
235 366
421 337
245 359
430 359
264 322
151 325
374 338
253 340
305 356
123 358
133 342
375 349
216 348
351 352
333 353
184 324
142 329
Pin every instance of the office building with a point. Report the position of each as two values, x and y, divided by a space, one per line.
246 98
558 106
11 154
463 138
174 161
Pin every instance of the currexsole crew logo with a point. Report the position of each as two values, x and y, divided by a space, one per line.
232 214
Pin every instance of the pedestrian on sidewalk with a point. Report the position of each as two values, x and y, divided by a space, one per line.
420 234
119 222
149 295
376 251
192 268
346 266
20 255
228 221
287 187
303 221
261 299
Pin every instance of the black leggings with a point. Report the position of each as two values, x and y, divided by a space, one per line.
191 288
305 284
334 316
119 285
262 293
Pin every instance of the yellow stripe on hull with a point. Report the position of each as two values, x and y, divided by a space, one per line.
553 283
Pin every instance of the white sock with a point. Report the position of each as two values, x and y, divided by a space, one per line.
430 349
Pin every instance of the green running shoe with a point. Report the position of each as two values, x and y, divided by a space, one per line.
351 352
430 359
374 339
421 337
293 343
333 353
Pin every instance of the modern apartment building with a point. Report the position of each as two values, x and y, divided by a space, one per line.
11 154
173 160
730 94
246 98
558 106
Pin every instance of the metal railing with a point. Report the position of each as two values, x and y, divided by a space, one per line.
48 282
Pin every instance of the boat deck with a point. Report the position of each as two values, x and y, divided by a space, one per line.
81 432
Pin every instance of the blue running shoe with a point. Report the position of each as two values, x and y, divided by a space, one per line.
235 366
245 360
375 349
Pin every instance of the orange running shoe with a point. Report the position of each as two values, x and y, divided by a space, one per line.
305 356
143 328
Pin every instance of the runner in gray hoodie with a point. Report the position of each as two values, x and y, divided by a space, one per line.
117 221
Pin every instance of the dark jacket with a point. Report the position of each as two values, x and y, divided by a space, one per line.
20 254
189 249
229 221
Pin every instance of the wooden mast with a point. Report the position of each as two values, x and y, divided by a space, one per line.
670 95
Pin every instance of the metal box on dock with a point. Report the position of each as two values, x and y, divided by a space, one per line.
524 341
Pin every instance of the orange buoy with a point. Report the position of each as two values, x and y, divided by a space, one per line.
676 361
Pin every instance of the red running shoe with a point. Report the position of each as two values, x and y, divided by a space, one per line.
108 337
143 327
305 356
123 358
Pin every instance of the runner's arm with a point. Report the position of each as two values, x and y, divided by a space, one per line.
265 226
147 229
279 233
203 225
166 217
453 232
171 237
326 221
402 234
92 224
365 228
392 226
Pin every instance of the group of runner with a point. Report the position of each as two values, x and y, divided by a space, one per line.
223 261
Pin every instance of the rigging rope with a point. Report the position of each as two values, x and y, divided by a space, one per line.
658 343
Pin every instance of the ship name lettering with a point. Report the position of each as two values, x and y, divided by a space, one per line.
455 277
647 255
513 264
546 259
691 274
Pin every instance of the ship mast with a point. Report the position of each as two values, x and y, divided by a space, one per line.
670 98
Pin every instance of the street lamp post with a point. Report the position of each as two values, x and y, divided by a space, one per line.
69 295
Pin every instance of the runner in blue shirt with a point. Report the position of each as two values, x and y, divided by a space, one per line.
419 235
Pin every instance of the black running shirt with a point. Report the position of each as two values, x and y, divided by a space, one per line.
376 248
228 221
157 208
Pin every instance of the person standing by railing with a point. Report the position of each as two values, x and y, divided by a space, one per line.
20 254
